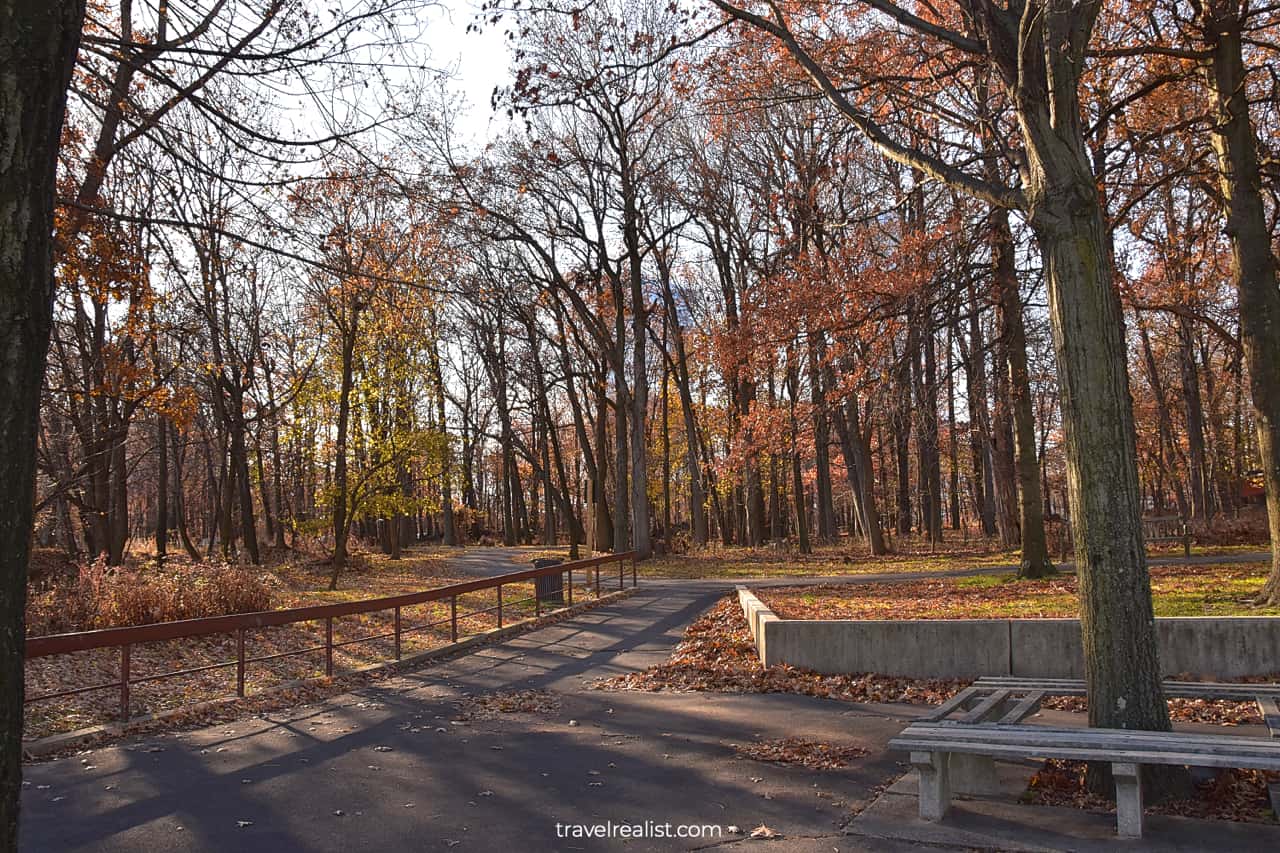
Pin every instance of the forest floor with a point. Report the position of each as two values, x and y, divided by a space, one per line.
1225 589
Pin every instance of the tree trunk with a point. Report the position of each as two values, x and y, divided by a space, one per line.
244 491
697 499
901 428
823 494
450 535
1253 266
341 519
1035 547
1189 376
979 421
1004 467
162 489
797 479
857 457
1122 669
36 57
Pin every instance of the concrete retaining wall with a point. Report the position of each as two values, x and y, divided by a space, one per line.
1228 647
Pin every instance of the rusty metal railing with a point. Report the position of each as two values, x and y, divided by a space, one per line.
237 624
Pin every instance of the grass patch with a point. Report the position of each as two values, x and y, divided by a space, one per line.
826 561
911 556
1200 590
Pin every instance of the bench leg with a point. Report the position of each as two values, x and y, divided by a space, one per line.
972 774
935 783
1129 816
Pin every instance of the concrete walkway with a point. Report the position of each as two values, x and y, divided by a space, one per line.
397 767
486 561
394 768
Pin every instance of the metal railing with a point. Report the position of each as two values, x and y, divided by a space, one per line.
237 624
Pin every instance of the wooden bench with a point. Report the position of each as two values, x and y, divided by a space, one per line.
1168 528
933 746
1159 528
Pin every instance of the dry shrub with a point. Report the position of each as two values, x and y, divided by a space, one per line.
1249 527
104 597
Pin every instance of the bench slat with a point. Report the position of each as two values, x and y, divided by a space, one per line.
1038 736
1269 707
953 703
1025 708
988 706
1172 689
1191 759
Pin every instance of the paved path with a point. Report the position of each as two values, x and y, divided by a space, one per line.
488 561
318 778
394 767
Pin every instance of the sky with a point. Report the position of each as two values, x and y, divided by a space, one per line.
479 60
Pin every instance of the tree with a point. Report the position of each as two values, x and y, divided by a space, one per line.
1222 26
1038 50
36 58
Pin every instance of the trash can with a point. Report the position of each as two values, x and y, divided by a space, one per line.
549 588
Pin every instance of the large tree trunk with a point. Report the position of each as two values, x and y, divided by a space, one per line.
244 487
1004 466
1122 669
37 52
1253 266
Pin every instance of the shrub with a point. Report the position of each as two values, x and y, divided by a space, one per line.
104 597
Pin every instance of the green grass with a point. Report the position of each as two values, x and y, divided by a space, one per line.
1195 590
734 563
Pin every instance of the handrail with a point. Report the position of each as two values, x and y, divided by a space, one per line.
105 638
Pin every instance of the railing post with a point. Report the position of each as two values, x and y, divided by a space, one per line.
570 584
240 663
633 572
328 646
537 599
124 681
499 605
453 618
397 633
621 569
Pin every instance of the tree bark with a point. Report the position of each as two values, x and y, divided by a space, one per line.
37 53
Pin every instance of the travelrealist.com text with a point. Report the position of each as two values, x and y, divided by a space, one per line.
645 829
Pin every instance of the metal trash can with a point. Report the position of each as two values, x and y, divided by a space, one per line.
549 588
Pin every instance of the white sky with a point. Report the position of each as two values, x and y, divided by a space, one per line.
479 60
